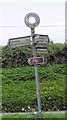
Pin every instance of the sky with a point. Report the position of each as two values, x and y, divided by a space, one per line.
51 13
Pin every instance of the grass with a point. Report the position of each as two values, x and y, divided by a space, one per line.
19 88
44 115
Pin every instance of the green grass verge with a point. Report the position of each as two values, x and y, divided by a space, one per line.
46 115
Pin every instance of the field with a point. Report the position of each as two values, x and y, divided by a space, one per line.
19 88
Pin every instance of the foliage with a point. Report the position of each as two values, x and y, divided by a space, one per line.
57 55
55 48
19 56
19 88
0 56
15 57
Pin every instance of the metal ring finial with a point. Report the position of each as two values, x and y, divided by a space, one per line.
27 22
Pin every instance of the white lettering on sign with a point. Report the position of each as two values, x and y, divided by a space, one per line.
42 51
19 42
36 61
41 40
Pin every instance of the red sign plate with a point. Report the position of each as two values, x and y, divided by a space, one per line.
36 61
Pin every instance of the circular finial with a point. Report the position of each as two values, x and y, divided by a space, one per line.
32 16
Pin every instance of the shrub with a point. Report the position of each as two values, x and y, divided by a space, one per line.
19 56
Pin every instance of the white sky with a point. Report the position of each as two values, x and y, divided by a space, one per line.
51 13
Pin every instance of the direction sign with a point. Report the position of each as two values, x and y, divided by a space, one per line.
41 40
18 42
36 61
42 50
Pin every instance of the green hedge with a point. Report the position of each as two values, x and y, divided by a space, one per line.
19 88
19 56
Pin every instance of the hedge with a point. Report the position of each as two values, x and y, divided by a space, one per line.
19 56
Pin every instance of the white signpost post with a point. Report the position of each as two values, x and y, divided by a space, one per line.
39 44
32 26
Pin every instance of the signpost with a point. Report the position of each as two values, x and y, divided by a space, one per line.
32 26
39 44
